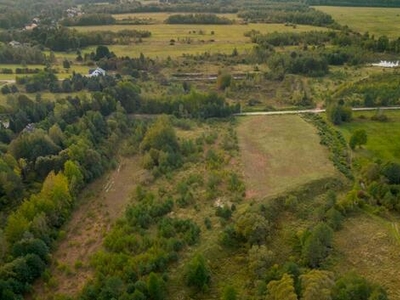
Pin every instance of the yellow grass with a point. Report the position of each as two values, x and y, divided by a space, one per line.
378 21
280 153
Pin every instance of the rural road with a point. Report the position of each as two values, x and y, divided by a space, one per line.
287 112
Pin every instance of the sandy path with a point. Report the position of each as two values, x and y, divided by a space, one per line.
100 205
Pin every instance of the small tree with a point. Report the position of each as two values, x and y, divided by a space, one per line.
282 289
197 273
224 80
358 138
317 245
229 293
155 287
66 64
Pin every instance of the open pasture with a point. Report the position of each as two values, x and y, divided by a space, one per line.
280 153
377 21
191 39
383 137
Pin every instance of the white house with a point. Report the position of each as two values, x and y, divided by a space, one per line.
97 72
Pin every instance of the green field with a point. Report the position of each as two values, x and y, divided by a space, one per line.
280 153
377 21
383 137
223 39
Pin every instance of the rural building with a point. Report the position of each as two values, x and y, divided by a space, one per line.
14 44
97 72
386 64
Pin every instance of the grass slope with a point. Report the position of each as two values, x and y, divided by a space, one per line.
280 153
378 21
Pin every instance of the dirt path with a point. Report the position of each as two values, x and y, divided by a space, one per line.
100 205
316 110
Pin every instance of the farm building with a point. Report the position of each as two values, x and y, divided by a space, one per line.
97 72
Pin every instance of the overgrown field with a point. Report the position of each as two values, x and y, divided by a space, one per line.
280 153
369 240
192 39
377 21
369 246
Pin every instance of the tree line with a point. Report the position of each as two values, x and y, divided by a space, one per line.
293 13
63 38
89 20
197 19
367 3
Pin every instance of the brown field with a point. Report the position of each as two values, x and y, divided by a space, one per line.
280 153
369 245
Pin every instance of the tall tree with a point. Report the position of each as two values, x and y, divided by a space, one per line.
281 289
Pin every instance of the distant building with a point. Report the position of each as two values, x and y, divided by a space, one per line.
29 128
15 44
97 72
73 12
5 121
31 26
386 64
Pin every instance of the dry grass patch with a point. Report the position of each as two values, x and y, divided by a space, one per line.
280 153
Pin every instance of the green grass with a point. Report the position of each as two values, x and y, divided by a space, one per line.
378 21
225 38
280 153
383 137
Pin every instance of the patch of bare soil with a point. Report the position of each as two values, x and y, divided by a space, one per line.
98 207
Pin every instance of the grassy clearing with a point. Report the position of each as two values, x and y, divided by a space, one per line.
383 137
224 39
378 21
369 245
280 153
